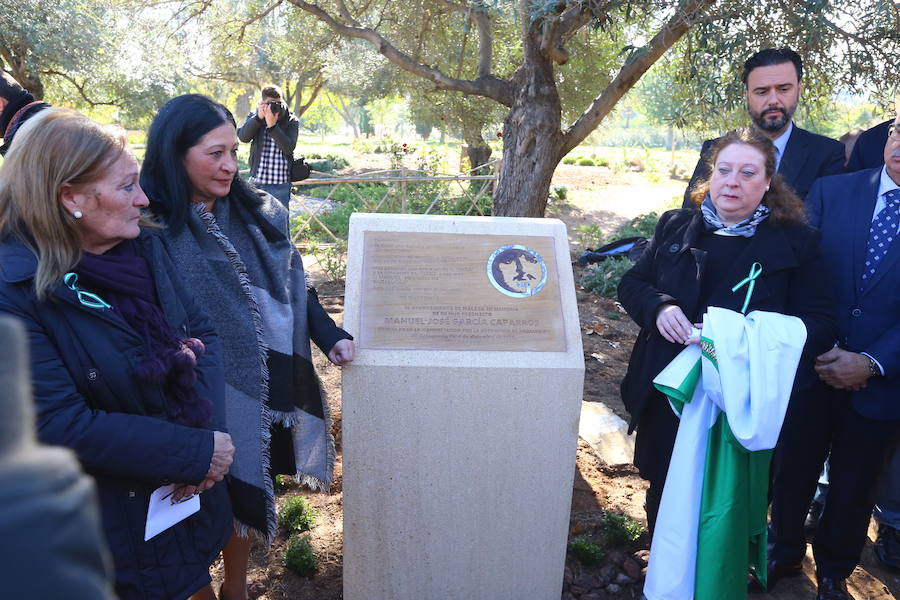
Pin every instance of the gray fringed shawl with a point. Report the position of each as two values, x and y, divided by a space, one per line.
247 275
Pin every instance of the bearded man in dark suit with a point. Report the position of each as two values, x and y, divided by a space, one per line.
772 86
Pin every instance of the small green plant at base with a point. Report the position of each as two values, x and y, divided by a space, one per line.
620 529
280 483
300 556
585 162
603 278
586 550
569 160
560 192
332 258
642 226
297 514
589 236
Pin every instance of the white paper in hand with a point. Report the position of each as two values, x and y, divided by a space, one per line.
162 513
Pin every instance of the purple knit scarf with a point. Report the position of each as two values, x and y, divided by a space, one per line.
122 277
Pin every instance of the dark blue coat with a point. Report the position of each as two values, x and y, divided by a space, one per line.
842 207
89 399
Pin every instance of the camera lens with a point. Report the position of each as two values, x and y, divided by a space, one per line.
274 106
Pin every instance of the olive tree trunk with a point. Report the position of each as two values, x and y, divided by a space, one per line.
532 139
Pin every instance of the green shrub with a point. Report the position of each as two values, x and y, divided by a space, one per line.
332 258
587 551
602 162
620 529
569 160
560 192
585 162
642 225
297 514
326 163
589 236
603 278
300 556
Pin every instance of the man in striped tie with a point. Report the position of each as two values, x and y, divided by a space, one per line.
857 415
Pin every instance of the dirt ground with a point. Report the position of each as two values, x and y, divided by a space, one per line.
607 334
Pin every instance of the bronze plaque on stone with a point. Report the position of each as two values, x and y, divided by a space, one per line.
442 291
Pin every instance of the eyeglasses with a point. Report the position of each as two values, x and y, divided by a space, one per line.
894 131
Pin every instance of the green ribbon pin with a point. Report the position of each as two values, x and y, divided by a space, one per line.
89 299
750 282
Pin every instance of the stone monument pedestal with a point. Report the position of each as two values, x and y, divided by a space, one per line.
460 412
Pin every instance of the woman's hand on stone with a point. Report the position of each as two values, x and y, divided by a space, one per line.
673 325
342 353
223 455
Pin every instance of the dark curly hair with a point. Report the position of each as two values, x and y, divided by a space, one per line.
785 205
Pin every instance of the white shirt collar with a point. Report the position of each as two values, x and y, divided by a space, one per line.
887 184
780 143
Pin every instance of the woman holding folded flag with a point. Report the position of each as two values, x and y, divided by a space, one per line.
744 275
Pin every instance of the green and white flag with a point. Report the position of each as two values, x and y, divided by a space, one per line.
731 393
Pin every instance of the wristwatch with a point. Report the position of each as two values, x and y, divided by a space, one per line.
874 371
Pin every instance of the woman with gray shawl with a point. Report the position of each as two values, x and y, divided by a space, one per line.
232 245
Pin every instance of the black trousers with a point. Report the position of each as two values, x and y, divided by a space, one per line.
820 420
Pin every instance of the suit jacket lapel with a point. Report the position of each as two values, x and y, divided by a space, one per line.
893 253
795 155
862 224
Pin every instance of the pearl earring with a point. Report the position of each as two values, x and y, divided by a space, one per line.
767 188
77 214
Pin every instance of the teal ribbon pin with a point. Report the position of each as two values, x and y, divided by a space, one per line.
750 282
87 298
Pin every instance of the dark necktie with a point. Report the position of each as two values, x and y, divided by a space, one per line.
882 233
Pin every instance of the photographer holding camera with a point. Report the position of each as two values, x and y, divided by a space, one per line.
272 130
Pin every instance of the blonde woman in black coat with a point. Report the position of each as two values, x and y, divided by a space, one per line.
745 215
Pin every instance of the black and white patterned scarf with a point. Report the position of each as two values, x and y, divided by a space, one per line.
247 275
745 228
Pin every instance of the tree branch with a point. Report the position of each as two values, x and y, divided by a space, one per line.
345 14
635 66
317 87
256 18
487 86
452 5
80 88
485 38
560 29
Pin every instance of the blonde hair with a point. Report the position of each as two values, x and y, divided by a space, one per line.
57 146
785 205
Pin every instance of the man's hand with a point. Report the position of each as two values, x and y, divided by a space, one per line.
843 370
271 115
342 353
262 109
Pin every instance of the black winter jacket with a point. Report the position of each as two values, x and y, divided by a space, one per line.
285 133
89 399
794 281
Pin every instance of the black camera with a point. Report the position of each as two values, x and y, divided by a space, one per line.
275 106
